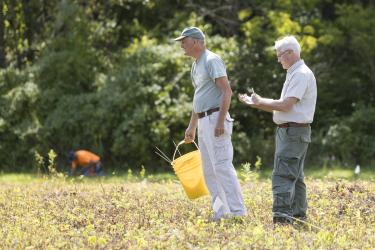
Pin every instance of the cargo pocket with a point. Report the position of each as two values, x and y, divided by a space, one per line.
281 202
287 167
222 150
299 134
306 138
293 146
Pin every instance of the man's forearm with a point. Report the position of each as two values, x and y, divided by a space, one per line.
263 107
270 105
193 120
223 84
224 106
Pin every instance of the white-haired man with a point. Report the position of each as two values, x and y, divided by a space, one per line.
211 102
292 113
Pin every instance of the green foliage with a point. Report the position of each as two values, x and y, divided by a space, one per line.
107 77
47 166
352 139
247 174
19 123
258 163
39 160
344 64
51 162
142 172
130 174
69 63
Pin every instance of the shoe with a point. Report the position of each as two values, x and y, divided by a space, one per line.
300 217
281 221
238 219
213 219
218 219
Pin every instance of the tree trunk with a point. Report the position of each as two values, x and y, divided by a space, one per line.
2 38
28 12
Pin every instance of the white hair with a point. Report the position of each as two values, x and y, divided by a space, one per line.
288 43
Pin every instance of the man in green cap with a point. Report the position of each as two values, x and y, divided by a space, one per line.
210 115
292 113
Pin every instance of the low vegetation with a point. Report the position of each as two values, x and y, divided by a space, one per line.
111 213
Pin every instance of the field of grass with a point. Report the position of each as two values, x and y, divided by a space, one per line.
154 213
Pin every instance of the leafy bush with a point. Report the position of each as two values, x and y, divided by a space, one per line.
352 139
19 123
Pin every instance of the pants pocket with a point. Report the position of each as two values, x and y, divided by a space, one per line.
222 150
228 126
228 122
287 167
281 202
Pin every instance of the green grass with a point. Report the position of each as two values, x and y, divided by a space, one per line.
27 178
332 173
18 178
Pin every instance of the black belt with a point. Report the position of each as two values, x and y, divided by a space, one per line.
292 124
208 112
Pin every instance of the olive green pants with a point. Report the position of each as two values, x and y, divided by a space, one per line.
288 186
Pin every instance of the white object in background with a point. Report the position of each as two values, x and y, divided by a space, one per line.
357 169
217 204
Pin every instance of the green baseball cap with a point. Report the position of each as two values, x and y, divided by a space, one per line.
193 32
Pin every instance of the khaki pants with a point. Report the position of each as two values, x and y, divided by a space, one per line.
219 173
288 186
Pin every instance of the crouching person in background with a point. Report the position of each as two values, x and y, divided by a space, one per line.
85 163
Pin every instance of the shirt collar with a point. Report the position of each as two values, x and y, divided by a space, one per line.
295 66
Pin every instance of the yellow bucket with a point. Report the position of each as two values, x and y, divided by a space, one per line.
188 169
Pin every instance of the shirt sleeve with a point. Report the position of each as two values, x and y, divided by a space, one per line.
297 86
216 68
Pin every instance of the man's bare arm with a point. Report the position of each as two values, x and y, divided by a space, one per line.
270 105
223 84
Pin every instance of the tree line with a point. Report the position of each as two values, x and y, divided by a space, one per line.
107 76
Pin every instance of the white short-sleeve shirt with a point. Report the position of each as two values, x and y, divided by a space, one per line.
300 83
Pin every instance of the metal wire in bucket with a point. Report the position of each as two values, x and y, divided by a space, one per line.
162 155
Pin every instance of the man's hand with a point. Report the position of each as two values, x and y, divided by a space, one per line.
219 129
190 135
244 98
255 99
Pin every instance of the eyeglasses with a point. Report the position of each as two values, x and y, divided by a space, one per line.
280 55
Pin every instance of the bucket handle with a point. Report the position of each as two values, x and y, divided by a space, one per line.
179 144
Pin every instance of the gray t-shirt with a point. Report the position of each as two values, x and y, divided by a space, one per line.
204 71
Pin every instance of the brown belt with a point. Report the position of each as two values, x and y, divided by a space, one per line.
293 124
208 112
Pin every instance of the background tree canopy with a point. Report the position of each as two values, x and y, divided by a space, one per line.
107 76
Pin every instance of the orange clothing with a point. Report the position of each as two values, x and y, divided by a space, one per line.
84 158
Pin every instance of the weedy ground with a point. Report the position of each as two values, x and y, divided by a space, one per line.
60 213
